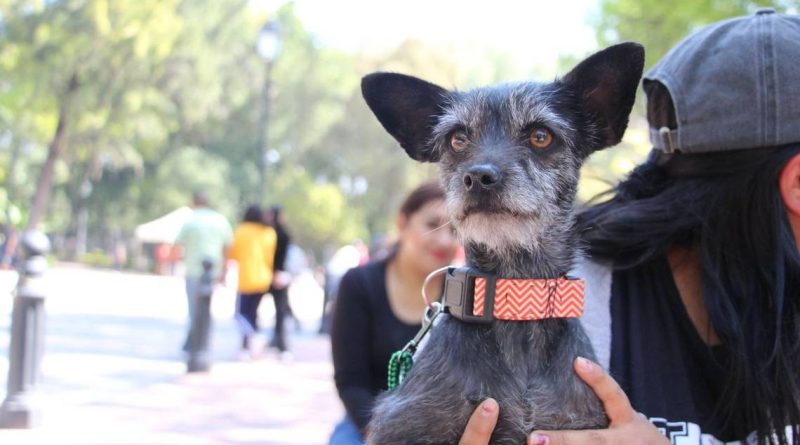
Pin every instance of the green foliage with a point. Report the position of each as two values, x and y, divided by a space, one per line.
182 173
162 98
96 258
317 213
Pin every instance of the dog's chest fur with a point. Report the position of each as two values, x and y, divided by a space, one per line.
518 364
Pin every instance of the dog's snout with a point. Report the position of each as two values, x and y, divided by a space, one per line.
482 177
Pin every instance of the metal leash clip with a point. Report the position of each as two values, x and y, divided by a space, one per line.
401 361
431 312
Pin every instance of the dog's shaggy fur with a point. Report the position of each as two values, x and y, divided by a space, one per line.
511 204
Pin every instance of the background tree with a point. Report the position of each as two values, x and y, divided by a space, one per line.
113 113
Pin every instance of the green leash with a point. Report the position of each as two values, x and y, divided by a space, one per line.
399 366
401 361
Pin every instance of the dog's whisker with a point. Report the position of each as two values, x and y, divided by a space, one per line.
439 228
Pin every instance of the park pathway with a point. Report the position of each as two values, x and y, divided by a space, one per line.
113 372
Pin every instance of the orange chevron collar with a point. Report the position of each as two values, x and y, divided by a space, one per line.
471 295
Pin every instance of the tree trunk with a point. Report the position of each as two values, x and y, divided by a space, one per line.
45 182
80 207
11 179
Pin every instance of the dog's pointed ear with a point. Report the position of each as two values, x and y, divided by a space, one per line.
606 83
408 108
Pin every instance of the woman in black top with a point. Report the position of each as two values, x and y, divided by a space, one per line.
379 307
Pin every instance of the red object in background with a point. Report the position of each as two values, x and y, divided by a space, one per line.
166 255
363 252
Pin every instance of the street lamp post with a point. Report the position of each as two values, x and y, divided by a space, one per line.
199 359
268 47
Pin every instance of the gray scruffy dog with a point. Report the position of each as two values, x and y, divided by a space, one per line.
510 157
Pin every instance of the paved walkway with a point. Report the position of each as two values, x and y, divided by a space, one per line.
112 372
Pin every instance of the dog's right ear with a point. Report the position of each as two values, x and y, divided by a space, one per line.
408 108
606 82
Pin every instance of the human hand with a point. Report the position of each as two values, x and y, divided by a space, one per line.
481 424
222 279
282 279
626 426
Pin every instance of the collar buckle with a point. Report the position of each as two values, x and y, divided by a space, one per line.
459 292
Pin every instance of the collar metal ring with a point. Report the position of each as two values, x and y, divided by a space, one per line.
430 276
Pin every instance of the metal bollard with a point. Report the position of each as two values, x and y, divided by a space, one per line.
19 409
199 332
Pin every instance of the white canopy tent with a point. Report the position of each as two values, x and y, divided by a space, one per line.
164 229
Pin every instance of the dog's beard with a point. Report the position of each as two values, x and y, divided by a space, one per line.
501 224
499 232
526 214
510 224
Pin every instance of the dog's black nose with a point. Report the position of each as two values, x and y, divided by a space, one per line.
481 177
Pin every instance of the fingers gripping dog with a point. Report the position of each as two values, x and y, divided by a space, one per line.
509 158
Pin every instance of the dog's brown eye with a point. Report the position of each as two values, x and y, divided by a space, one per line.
541 137
459 141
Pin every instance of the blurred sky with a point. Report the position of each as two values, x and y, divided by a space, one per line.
533 32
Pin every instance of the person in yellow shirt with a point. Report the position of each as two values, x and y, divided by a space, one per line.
253 249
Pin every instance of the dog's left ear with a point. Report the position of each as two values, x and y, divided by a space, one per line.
606 82
408 108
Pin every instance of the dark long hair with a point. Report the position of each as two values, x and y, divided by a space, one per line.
727 207
423 194
284 238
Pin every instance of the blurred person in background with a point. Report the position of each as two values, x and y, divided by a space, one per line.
206 235
8 248
296 264
253 249
379 307
296 261
120 254
281 280
345 258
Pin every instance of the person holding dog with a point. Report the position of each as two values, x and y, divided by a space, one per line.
379 308
694 263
